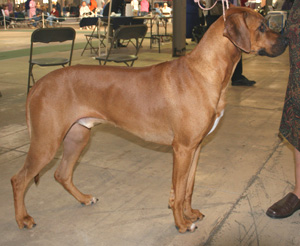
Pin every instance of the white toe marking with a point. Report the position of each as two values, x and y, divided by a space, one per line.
94 200
193 227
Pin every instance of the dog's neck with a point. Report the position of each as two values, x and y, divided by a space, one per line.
212 48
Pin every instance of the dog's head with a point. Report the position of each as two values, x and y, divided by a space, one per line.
248 30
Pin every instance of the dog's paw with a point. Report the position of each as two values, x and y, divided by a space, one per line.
193 215
26 223
191 228
91 201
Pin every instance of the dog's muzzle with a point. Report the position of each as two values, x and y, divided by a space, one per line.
277 49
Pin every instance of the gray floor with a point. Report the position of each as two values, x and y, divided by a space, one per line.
244 167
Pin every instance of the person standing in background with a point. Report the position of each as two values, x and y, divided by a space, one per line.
144 7
237 79
27 8
290 121
287 5
135 7
93 6
10 8
32 8
278 4
192 17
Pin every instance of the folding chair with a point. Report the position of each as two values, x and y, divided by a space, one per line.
129 32
4 21
49 35
92 21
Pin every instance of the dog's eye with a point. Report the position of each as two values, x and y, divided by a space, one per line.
262 27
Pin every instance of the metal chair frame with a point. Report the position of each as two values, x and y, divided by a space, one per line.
92 21
127 32
49 35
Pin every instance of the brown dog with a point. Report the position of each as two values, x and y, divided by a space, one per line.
174 103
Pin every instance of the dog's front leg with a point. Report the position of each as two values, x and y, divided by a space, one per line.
182 159
189 213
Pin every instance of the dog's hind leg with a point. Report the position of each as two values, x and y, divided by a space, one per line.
74 143
39 155
189 213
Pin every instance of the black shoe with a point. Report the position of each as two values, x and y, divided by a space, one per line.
121 45
284 207
243 81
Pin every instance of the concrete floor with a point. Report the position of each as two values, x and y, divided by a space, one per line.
243 169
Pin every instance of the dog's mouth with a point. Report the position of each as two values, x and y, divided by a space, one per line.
276 49
263 52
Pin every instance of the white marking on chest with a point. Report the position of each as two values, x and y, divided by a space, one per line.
216 122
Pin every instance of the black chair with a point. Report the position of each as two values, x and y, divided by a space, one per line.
92 21
129 32
49 35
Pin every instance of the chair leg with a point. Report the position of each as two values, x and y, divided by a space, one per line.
159 45
102 43
84 48
30 75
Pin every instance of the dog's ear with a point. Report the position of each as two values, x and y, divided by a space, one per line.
237 31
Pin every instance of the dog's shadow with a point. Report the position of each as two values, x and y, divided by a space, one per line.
127 136
117 133
131 138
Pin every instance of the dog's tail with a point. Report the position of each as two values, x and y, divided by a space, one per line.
28 122
37 177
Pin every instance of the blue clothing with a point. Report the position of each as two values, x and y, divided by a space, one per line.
192 17
157 10
27 5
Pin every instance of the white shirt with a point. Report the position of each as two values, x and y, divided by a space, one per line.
84 10
166 10
135 4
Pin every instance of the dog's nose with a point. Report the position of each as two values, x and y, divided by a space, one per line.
284 40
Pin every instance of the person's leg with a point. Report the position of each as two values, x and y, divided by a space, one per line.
210 19
50 20
297 173
291 202
238 71
238 78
